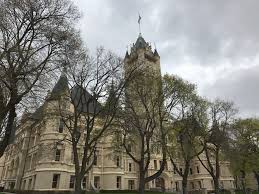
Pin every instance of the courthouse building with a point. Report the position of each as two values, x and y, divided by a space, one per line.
28 165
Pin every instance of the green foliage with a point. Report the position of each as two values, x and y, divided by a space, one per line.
244 151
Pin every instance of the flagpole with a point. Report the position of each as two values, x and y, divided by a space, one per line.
139 20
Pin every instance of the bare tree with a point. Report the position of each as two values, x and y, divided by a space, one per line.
96 86
221 115
187 122
32 36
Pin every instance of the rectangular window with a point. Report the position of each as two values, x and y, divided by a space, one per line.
29 184
61 126
131 184
118 163
190 171
198 169
58 155
72 182
130 167
84 183
97 182
118 182
200 185
55 181
155 164
176 186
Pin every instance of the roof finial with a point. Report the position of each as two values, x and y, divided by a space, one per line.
139 19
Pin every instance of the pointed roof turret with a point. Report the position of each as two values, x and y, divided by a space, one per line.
140 43
60 88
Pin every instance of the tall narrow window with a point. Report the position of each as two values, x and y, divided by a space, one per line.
131 184
97 182
72 182
95 160
55 181
130 167
176 186
61 126
84 183
118 182
118 163
200 185
190 171
58 155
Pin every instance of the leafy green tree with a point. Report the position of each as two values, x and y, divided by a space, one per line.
244 149
187 113
221 114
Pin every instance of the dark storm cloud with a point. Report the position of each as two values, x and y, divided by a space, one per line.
204 41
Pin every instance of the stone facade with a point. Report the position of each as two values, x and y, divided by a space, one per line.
35 162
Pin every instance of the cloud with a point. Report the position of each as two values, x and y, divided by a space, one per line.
241 87
214 44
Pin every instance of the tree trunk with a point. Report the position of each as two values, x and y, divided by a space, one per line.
216 185
141 182
185 177
184 185
78 188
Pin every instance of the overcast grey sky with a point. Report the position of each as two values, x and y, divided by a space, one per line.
212 43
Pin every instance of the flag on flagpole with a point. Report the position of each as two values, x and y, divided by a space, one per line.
139 18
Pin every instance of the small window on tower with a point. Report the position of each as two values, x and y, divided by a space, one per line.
118 162
58 155
61 126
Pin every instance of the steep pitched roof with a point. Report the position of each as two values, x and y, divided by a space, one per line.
84 101
60 88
